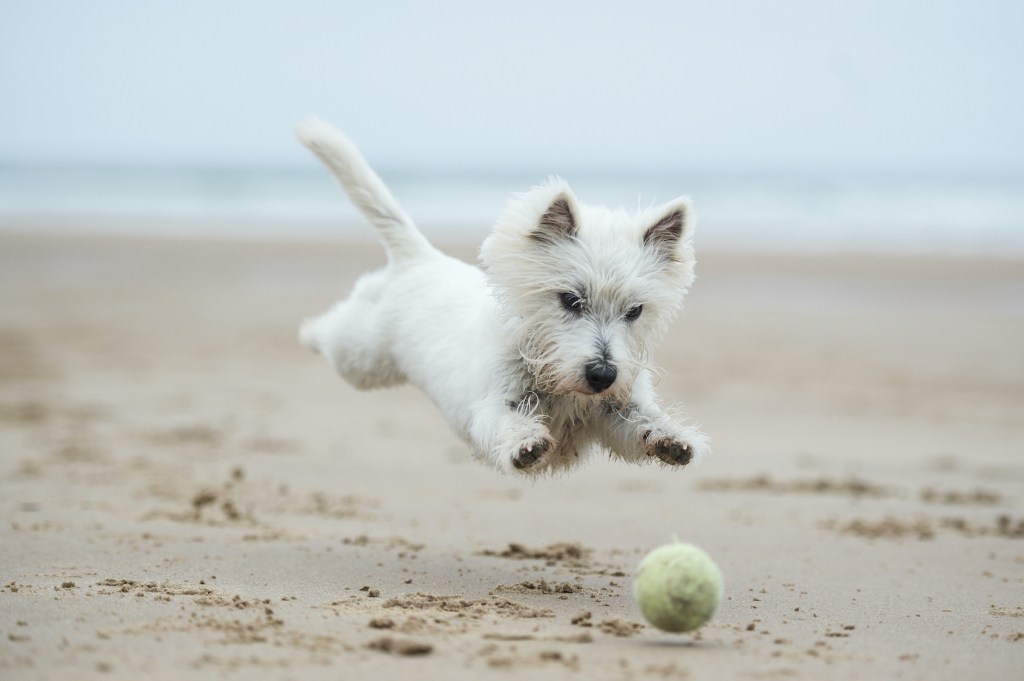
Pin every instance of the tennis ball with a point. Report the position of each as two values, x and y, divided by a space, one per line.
678 587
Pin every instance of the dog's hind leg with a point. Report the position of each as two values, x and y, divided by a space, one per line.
350 339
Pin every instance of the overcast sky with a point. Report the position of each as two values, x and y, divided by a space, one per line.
733 86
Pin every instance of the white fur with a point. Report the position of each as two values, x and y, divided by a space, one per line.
499 353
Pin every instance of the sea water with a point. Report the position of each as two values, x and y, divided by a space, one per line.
803 212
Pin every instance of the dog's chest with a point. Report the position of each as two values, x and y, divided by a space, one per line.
571 424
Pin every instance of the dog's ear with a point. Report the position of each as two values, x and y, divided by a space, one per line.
558 220
673 228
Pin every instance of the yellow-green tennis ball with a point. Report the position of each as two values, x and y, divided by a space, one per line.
678 587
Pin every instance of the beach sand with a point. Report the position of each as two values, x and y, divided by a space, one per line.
188 494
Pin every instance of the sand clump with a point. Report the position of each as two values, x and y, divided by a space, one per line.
560 553
1004 526
620 627
854 487
468 608
397 646
974 497
541 586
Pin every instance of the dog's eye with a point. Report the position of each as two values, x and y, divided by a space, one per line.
634 312
571 302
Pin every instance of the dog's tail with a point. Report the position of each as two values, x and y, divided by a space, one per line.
401 238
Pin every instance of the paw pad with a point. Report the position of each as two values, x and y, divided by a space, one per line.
672 452
529 454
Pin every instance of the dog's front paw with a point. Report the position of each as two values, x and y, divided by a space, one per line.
530 453
672 452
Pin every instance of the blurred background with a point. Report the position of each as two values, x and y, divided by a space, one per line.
795 125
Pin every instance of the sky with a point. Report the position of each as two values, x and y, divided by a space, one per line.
732 86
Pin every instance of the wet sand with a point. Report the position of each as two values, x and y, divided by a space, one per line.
189 494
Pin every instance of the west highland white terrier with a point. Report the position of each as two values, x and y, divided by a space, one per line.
538 360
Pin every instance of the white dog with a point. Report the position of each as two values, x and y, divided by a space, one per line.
541 359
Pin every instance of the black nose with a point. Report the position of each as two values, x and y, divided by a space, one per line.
600 376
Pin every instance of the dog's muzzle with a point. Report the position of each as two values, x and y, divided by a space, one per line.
600 376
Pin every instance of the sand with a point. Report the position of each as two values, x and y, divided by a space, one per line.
187 494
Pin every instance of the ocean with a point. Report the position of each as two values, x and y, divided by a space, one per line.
824 212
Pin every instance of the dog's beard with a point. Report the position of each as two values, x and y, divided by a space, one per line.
553 375
546 371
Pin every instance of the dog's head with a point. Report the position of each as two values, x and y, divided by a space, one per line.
585 290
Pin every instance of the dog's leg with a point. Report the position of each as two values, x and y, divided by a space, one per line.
640 431
508 434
